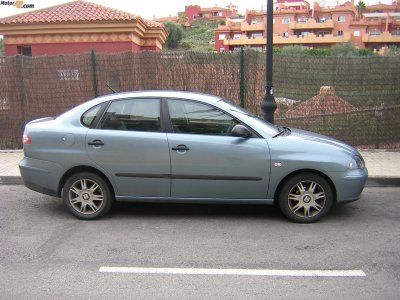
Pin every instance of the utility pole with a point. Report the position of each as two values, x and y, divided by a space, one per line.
269 105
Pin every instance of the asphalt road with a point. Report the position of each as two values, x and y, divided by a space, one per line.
46 253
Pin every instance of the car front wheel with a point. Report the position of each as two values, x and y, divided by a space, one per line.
305 198
87 196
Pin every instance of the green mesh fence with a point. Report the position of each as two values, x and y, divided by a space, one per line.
359 103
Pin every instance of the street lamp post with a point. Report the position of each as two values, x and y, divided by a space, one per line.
269 105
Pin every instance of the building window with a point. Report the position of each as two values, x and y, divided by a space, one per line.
222 36
273 21
356 33
256 35
285 34
341 19
24 50
302 20
375 32
285 21
256 21
340 33
237 36
222 49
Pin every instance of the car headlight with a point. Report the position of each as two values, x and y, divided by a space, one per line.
356 163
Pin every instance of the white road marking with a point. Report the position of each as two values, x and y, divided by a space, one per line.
241 272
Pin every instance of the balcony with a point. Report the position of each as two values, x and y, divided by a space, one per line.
384 37
291 40
311 39
244 40
252 27
311 24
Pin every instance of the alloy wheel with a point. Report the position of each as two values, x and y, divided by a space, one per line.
306 199
86 196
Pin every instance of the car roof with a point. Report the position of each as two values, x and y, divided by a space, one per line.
162 94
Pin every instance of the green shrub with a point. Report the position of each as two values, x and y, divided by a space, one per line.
187 45
344 50
392 51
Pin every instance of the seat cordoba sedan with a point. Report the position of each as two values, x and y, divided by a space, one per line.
185 147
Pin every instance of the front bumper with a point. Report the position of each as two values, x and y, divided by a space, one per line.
350 184
41 176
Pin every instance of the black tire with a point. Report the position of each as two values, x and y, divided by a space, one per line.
294 209
88 212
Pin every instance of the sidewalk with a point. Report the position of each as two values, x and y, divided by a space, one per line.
383 167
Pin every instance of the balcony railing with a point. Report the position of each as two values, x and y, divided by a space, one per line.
291 40
244 40
312 39
311 24
252 27
384 37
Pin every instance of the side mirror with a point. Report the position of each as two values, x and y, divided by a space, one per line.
241 131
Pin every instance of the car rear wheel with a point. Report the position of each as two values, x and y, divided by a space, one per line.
305 198
87 196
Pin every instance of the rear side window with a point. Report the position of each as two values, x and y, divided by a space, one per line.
133 115
90 115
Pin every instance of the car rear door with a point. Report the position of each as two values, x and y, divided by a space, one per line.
207 162
130 144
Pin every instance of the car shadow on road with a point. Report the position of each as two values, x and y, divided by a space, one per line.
195 210
126 210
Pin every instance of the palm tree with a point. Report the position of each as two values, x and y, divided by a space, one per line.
182 19
360 8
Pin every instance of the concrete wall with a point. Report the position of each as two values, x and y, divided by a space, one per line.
77 48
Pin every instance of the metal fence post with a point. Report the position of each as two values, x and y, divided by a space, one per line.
94 75
378 125
242 87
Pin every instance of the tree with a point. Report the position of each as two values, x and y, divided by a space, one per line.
360 8
1 47
175 33
182 19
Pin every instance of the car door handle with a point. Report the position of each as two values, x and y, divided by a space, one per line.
180 148
96 143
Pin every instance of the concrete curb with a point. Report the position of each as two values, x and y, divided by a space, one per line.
11 180
383 182
371 182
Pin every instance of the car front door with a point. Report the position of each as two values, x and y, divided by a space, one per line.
207 162
128 143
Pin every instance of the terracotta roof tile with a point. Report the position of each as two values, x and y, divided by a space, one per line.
75 11
326 102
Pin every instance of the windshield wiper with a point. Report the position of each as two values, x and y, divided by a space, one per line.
284 129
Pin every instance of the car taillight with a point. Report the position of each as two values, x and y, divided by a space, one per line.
26 140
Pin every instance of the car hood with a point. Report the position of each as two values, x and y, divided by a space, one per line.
319 138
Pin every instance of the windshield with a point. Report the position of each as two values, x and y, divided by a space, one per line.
272 129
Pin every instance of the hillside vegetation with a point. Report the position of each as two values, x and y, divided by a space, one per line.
199 37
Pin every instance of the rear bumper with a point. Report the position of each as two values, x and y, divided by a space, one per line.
41 176
350 184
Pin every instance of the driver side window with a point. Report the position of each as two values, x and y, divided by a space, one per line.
196 118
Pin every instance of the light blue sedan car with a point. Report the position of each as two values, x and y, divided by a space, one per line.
185 147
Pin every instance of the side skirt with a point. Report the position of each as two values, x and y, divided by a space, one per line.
193 200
